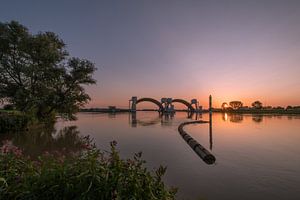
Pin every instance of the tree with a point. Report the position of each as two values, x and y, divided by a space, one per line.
236 104
224 106
257 105
37 75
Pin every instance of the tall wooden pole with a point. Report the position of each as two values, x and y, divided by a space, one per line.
210 123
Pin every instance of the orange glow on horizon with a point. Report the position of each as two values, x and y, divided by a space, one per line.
217 102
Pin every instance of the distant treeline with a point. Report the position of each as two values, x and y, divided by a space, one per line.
263 110
256 107
110 109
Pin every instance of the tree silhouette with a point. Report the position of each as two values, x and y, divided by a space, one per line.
257 105
37 76
224 105
236 104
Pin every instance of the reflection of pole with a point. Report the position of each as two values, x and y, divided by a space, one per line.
210 131
133 119
210 123
204 154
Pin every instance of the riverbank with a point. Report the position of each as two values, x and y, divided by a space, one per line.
260 111
215 110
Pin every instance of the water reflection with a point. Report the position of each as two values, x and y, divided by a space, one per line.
112 115
225 116
257 118
236 118
261 156
210 132
166 119
47 138
204 154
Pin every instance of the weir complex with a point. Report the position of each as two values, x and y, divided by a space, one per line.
166 104
166 107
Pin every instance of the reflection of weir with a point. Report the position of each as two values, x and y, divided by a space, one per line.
149 123
165 119
203 153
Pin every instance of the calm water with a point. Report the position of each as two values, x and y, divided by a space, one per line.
257 157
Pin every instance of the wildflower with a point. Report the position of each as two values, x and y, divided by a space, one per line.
46 153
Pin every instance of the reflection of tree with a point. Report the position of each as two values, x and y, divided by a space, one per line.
289 117
225 116
257 118
47 139
112 115
236 118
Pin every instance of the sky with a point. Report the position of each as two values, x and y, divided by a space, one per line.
243 50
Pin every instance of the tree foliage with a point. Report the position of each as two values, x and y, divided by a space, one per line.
257 105
224 105
236 104
38 76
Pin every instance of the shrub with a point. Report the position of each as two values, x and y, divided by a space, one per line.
13 121
8 107
91 175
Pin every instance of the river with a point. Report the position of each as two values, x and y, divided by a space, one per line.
257 156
